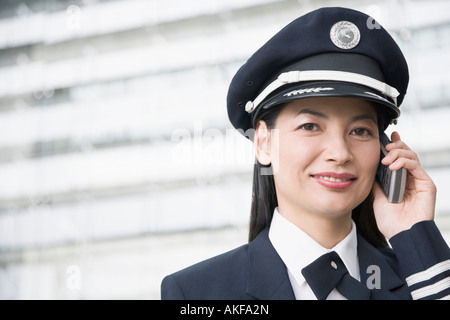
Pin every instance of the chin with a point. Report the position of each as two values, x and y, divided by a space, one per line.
336 206
334 213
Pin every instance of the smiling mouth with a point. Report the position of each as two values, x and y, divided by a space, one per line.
332 180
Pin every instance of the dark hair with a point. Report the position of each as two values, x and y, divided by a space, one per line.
264 198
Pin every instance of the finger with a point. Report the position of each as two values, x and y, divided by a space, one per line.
399 144
403 163
399 153
413 167
396 143
395 136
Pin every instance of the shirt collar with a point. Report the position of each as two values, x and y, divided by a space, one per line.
297 249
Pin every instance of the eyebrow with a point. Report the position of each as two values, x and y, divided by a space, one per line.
313 113
365 116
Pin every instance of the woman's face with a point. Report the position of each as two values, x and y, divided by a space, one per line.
325 153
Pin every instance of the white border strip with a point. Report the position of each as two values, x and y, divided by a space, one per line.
431 289
319 75
429 273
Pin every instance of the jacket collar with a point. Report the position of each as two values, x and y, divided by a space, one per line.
377 269
268 277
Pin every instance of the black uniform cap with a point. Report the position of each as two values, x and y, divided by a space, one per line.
327 52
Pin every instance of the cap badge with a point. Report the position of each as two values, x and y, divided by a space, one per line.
345 35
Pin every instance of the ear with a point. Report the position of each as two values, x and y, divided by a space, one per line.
262 143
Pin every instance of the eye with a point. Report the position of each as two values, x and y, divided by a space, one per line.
309 127
362 132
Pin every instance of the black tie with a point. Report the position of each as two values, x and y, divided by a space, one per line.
329 272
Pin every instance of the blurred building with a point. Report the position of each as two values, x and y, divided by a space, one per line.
117 160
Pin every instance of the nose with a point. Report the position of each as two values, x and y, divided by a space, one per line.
337 150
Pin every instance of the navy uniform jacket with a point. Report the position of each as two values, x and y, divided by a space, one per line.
416 267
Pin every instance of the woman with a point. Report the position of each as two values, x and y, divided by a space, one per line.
315 99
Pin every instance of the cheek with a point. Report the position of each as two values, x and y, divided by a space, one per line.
369 158
292 156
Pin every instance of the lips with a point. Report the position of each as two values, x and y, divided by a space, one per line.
333 180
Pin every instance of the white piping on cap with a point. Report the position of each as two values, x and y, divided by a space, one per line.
319 75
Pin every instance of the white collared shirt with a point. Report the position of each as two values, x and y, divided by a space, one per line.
297 250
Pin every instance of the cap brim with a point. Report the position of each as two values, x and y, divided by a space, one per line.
319 89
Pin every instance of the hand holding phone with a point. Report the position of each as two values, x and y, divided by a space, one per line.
419 199
392 182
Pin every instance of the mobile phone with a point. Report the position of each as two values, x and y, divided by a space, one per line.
392 182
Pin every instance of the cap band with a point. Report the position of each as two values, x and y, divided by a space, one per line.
318 75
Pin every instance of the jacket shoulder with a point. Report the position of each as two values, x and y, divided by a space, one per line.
220 277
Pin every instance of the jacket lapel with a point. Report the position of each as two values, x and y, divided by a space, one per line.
379 274
268 278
